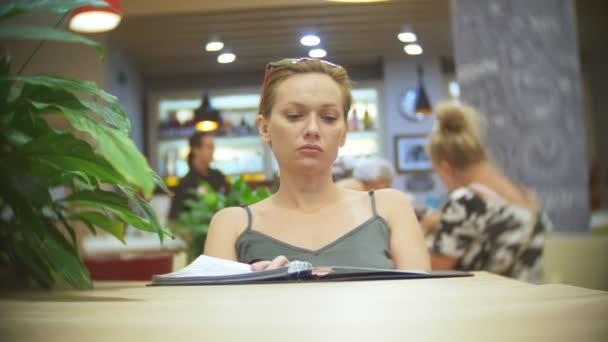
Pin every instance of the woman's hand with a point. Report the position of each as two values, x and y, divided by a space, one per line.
265 265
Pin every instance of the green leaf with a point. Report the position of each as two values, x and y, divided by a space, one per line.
15 8
24 127
93 218
5 85
5 64
108 198
67 84
117 148
64 260
160 182
46 254
66 224
43 97
148 212
26 257
109 201
69 154
47 33
262 193
46 96
20 188
15 137
112 114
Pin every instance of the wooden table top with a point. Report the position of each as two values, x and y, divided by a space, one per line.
480 308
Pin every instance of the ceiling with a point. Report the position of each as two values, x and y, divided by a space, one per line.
168 41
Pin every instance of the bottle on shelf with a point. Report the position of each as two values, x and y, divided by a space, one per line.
227 127
367 120
243 127
170 162
354 121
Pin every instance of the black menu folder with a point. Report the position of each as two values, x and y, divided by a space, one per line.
206 270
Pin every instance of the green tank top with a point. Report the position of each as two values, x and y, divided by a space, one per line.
367 245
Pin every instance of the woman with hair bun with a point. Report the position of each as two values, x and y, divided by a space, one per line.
490 222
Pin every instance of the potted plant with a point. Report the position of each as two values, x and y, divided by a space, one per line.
50 179
192 225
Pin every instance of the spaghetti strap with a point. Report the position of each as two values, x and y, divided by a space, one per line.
246 207
373 198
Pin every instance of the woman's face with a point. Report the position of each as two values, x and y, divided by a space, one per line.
203 154
306 126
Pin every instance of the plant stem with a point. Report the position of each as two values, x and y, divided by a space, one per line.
29 58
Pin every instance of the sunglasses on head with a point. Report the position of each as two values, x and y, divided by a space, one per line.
288 61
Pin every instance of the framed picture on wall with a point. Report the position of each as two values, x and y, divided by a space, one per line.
410 155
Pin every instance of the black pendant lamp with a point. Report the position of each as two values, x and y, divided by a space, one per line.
206 119
422 105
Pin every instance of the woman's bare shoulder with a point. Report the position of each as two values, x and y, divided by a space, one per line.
231 218
351 183
263 204
389 195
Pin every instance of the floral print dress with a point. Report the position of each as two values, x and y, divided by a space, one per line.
487 233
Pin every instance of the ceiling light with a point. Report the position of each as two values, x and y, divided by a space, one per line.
214 45
90 19
206 118
413 49
317 53
407 37
310 40
226 58
454 89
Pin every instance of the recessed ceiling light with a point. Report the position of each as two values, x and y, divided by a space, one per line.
214 45
407 37
317 53
226 58
413 49
310 40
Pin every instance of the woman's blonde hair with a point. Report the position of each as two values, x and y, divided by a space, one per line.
280 73
455 136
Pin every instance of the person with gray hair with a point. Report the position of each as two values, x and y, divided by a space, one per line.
378 173
370 174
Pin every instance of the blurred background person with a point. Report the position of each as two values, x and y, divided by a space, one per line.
377 173
370 174
202 147
489 222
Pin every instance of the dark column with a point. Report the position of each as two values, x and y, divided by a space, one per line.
517 62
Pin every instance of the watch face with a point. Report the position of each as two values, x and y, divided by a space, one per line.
408 107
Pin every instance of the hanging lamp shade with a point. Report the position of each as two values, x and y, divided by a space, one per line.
422 105
206 119
90 19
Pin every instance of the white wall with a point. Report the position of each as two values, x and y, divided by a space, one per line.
399 77
125 81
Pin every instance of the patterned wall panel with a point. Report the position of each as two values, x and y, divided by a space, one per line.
517 62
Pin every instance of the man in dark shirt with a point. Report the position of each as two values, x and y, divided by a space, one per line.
202 147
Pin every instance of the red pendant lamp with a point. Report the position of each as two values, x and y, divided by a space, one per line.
90 19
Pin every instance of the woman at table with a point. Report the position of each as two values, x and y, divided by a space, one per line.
490 222
303 118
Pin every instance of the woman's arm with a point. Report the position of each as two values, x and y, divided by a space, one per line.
223 232
407 246
442 262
